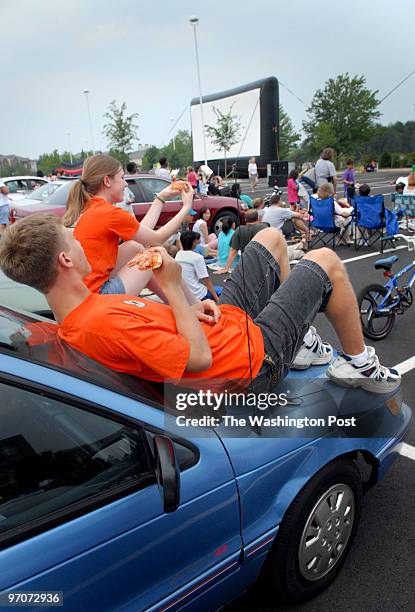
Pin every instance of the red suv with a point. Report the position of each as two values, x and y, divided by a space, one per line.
52 198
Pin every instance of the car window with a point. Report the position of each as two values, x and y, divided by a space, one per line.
54 456
151 186
138 194
13 186
44 192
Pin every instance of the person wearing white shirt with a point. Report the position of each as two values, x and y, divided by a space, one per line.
163 171
194 270
253 173
4 206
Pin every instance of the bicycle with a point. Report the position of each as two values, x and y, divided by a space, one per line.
378 305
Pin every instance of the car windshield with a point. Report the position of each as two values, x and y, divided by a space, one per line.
45 191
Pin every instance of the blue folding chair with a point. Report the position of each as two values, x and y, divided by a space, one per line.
322 219
370 221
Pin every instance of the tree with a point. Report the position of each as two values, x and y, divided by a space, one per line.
348 109
288 136
120 131
49 161
150 157
227 131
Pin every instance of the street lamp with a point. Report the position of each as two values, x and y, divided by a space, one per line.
69 143
174 139
91 135
194 22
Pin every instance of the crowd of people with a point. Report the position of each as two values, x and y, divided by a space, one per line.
257 328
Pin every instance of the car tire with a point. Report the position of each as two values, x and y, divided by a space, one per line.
217 223
292 573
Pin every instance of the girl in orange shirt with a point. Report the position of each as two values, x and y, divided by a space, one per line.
99 226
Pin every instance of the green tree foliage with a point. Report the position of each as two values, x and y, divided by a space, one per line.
289 138
392 145
179 153
347 109
49 161
120 130
226 133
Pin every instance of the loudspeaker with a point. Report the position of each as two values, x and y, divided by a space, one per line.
277 179
279 167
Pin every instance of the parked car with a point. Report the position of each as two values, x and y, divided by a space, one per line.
22 297
20 186
52 198
103 500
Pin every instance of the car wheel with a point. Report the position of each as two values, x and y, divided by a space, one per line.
217 224
316 534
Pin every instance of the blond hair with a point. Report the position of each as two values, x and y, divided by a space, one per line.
411 180
325 191
95 169
29 251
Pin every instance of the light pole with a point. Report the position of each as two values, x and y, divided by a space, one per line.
174 139
194 22
91 135
69 143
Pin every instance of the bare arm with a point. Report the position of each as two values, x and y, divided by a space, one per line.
209 285
150 237
168 276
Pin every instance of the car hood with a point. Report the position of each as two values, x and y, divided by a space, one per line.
30 206
378 417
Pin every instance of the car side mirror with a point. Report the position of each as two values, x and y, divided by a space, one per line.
167 472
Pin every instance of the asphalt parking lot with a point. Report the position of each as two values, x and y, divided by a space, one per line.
379 573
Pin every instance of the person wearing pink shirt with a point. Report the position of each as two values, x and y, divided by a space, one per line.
292 189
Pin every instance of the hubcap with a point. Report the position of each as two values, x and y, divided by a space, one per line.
326 532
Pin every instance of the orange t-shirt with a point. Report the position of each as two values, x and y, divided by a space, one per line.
139 337
99 229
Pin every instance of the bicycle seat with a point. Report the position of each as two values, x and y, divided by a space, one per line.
386 263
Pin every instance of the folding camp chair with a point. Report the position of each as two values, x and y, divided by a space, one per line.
404 206
370 223
321 218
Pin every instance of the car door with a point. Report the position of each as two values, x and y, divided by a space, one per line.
149 186
81 512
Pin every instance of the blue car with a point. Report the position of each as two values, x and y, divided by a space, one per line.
107 504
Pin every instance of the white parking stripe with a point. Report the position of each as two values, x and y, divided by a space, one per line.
405 366
373 254
407 451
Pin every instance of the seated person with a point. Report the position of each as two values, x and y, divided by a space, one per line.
236 193
242 236
208 242
342 210
156 341
258 204
194 271
364 190
277 213
410 186
224 240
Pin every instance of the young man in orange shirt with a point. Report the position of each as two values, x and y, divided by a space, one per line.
157 341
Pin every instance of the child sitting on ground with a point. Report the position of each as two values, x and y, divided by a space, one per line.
194 271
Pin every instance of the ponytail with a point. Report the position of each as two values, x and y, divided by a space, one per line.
95 169
78 195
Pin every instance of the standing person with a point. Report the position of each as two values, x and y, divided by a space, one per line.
4 206
194 270
349 180
253 173
163 171
208 242
99 225
192 177
325 169
292 191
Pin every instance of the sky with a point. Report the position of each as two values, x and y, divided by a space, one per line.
142 53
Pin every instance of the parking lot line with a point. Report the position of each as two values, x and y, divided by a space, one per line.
407 451
405 366
404 246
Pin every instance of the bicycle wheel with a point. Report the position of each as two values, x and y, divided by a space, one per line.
374 326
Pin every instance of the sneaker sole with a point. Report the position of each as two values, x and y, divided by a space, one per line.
365 384
314 362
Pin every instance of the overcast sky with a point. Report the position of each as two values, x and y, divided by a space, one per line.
143 53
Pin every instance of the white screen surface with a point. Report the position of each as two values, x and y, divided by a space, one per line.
246 107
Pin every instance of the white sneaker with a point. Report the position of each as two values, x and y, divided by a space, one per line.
371 376
316 353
